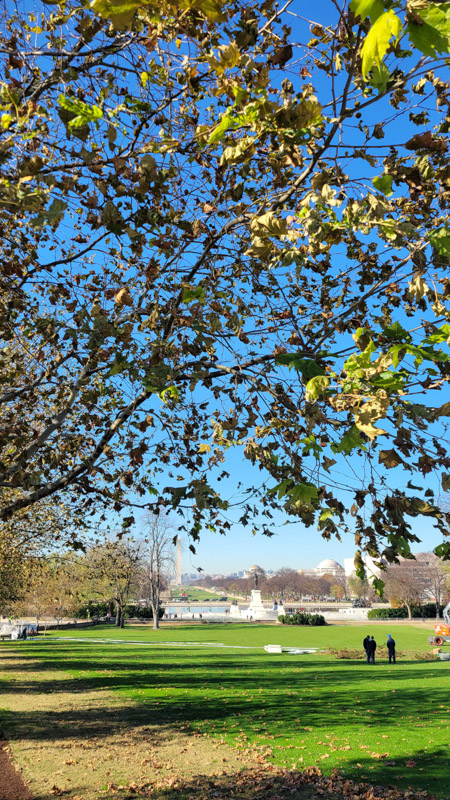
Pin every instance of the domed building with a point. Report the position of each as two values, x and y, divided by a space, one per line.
254 569
329 567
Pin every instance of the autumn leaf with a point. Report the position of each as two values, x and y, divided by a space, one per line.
123 298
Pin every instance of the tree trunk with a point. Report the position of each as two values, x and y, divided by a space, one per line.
118 616
438 609
155 611
409 611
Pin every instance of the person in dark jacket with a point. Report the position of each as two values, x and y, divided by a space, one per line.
365 645
371 647
391 648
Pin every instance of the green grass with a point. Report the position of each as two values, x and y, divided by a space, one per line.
195 594
386 724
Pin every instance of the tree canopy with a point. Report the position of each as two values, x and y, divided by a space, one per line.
225 226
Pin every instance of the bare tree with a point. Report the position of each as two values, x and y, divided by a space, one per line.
435 578
405 584
160 537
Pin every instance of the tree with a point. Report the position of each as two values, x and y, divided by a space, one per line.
158 563
27 541
216 237
112 573
337 591
404 584
359 587
435 577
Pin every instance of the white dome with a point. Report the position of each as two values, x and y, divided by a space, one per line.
329 563
255 568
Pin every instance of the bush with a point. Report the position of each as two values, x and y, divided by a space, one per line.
302 619
418 612
141 612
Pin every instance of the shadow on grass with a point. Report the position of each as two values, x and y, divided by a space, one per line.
226 694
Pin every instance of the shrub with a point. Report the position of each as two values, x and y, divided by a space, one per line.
301 619
418 612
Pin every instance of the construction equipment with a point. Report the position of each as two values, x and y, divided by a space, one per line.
442 629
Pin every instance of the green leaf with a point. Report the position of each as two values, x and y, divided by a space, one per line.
170 392
443 550
281 488
433 35
379 78
377 41
83 112
397 331
440 240
306 366
316 386
304 493
197 293
378 586
367 8
350 441
213 9
393 381
384 184
221 128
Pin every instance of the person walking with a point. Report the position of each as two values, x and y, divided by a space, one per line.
365 645
371 647
391 649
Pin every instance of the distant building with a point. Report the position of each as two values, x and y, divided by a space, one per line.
329 567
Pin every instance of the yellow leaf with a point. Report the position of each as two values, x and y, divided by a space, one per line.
378 39
204 448
370 412
418 288
268 225
123 298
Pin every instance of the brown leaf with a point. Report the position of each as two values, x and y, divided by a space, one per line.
123 298
389 458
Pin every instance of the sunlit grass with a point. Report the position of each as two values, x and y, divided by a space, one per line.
388 724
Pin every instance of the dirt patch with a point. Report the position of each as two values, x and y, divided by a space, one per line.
12 786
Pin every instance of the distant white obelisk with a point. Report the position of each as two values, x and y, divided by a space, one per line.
178 573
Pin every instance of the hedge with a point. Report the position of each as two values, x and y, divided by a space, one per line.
418 612
302 619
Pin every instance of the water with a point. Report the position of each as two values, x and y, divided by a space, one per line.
195 609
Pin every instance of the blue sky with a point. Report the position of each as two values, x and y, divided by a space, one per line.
293 546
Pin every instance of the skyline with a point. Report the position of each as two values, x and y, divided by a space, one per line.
293 546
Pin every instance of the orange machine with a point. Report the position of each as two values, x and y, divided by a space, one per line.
442 629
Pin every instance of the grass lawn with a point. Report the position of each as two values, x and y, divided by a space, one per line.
194 594
386 724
